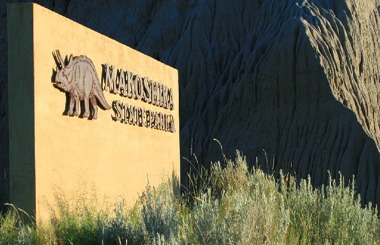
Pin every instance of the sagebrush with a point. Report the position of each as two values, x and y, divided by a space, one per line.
222 205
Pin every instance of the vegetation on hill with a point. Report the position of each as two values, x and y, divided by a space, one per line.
227 204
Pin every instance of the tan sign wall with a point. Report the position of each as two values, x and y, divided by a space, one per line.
135 141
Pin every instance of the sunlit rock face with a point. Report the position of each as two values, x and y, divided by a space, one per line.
294 82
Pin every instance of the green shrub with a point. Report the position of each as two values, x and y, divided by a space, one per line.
124 228
17 227
76 228
160 213
75 220
239 207
330 214
9 228
226 204
235 206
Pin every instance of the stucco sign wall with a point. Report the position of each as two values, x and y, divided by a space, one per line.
84 109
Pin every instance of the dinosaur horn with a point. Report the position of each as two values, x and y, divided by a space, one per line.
56 60
60 60
70 58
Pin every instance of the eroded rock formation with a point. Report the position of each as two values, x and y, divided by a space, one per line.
298 79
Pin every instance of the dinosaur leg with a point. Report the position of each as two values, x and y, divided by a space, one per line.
77 107
71 105
86 113
94 106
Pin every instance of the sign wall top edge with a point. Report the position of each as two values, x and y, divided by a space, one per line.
36 8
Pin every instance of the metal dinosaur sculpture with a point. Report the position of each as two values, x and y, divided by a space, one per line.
79 79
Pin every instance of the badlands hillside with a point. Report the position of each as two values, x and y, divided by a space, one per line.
296 82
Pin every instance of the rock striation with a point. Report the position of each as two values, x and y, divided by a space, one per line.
295 82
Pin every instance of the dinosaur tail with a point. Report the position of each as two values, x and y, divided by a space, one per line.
100 96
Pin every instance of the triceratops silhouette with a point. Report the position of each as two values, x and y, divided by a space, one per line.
77 77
